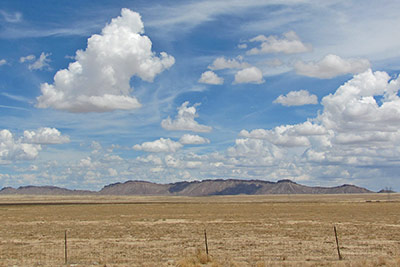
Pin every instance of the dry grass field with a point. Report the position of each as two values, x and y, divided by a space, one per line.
284 230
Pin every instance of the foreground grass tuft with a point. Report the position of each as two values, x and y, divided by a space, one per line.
199 259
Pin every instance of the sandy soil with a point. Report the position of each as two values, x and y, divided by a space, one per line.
289 230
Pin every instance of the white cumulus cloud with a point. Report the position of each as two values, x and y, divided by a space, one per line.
27 147
12 149
190 139
185 120
249 75
209 77
3 62
287 135
160 145
221 63
290 43
252 152
355 136
359 126
45 136
297 98
150 159
98 80
280 136
331 66
354 109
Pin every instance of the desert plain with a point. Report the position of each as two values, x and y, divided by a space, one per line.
269 230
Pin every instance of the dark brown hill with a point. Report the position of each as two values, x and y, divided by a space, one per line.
135 188
224 187
194 188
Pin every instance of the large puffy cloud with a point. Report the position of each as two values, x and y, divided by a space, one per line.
209 77
185 120
367 105
98 80
45 136
331 66
249 75
160 145
297 98
289 44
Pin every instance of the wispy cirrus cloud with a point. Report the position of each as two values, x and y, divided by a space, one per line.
23 32
11 17
16 97
188 15
14 107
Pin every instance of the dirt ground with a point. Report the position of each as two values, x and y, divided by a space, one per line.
283 230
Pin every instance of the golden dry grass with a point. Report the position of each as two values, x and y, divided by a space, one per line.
169 231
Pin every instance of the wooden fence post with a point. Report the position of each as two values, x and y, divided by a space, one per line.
65 248
205 239
337 243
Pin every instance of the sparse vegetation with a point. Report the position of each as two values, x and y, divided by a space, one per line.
169 231
199 259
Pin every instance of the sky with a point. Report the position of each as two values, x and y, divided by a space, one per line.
99 92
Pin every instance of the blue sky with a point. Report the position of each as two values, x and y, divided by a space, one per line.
98 92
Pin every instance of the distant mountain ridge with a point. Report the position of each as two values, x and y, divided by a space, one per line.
43 190
193 188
